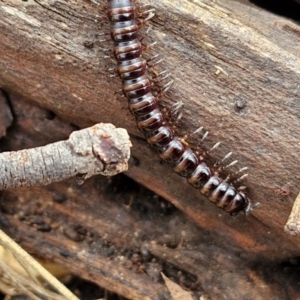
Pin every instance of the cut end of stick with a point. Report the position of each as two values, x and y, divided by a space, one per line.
111 146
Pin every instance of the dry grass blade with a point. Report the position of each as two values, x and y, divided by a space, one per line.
175 290
292 225
31 286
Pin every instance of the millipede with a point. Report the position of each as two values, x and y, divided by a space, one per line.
143 105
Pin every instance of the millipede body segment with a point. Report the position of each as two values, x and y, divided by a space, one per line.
136 86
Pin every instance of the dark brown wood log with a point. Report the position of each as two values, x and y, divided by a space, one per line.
236 69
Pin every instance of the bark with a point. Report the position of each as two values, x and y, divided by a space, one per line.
236 69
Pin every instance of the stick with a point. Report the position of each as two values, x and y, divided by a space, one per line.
100 149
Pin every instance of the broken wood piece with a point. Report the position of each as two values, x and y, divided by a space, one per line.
100 149
292 225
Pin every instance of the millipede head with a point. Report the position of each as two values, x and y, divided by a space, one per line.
241 202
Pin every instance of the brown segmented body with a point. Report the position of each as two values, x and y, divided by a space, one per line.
136 86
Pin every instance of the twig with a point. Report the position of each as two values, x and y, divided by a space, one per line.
100 149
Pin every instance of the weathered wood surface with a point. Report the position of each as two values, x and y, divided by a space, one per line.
222 56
